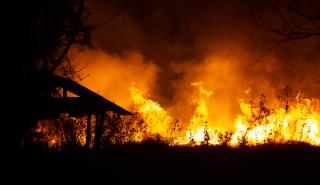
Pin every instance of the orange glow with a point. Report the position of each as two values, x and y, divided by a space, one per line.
156 118
255 125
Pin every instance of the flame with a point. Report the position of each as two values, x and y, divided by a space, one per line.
299 124
198 132
156 118
255 125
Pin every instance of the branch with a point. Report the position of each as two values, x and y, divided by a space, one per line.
59 60
282 18
304 14
113 16
292 30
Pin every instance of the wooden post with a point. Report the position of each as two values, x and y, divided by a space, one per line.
88 136
64 93
95 130
99 130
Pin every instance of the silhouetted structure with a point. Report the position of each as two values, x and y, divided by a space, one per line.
82 102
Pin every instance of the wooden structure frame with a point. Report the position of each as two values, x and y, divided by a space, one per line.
86 102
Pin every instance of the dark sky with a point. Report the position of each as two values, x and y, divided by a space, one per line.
172 30
214 41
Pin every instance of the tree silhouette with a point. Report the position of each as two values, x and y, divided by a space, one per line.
40 35
289 20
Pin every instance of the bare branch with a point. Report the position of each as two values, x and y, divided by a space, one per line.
73 34
290 29
279 14
303 14
113 16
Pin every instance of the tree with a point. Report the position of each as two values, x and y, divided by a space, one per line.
289 20
40 35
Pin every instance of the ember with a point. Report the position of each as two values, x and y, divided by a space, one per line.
255 125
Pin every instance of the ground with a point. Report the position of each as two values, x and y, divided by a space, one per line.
160 164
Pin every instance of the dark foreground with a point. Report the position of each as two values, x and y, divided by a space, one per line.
159 164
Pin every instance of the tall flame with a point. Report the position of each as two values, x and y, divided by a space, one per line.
256 124
156 118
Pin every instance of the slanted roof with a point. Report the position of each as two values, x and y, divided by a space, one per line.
87 102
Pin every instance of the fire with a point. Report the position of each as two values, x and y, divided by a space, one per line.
200 118
156 118
298 124
255 125
198 131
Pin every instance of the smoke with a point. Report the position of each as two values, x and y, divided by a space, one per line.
163 46
113 81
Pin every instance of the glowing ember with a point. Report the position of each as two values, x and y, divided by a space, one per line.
156 118
256 125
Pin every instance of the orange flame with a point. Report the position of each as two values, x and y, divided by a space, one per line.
255 125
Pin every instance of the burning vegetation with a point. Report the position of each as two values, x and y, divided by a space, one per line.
289 120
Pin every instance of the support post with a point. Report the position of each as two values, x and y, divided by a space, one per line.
88 136
99 130
64 93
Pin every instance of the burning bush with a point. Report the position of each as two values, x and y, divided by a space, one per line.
297 121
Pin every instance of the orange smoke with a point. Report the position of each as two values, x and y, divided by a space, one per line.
255 125
112 76
209 105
